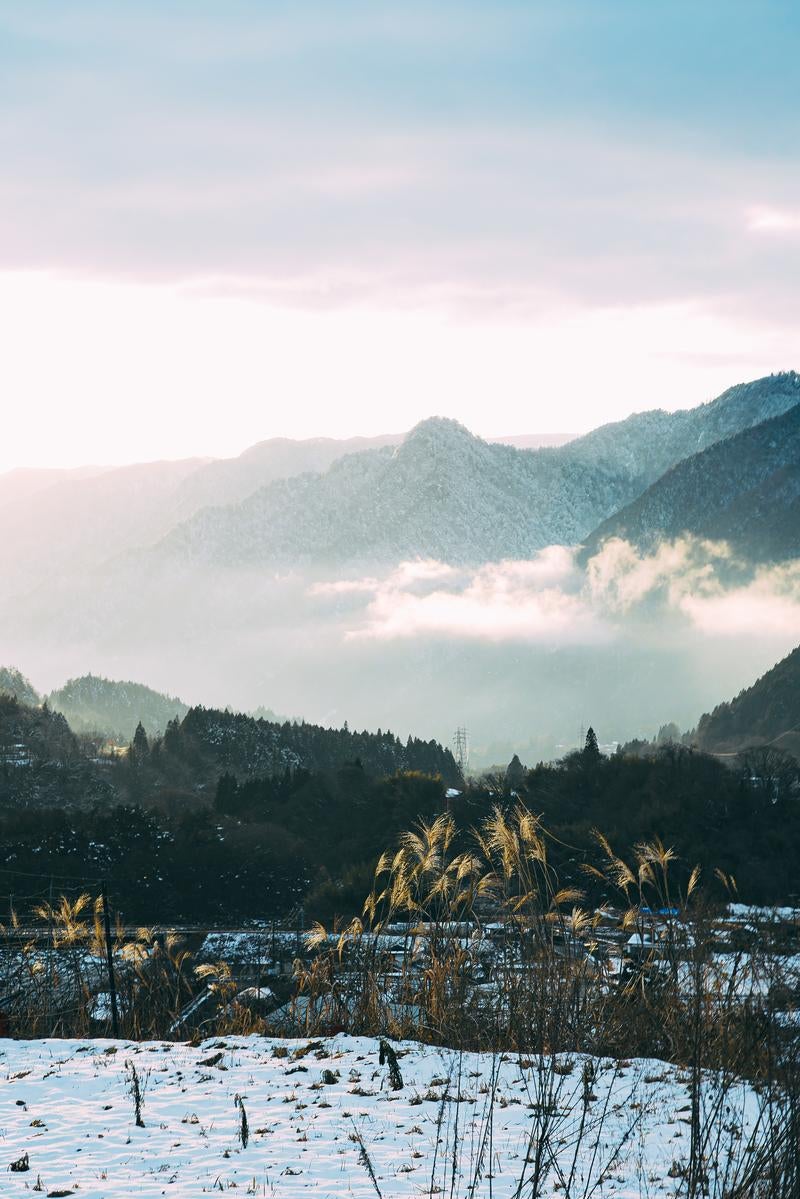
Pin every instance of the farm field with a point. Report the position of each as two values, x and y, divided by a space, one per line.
266 1116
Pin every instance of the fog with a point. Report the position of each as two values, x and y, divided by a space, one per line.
522 653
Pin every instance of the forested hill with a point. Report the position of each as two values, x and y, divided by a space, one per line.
769 711
93 704
446 494
248 746
744 490
43 763
14 683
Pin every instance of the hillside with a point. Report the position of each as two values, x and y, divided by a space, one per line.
443 493
14 683
769 711
744 490
42 763
649 443
246 747
62 522
438 492
197 747
97 705
446 494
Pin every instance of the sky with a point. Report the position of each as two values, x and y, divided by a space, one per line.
221 223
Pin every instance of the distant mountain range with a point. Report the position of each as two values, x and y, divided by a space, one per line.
744 490
446 494
65 521
768 712
437 491
134 568
441 493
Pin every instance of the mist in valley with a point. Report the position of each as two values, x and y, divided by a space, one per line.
524 654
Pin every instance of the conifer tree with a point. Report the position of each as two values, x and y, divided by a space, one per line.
591 750
140 747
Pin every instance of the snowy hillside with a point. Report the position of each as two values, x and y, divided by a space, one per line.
269 1117
446 494
744 490
442 494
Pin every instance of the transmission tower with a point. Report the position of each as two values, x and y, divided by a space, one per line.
461 749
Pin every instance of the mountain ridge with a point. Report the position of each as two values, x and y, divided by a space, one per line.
744 490
444 493
766 712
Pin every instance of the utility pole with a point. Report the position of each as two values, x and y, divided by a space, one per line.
112 985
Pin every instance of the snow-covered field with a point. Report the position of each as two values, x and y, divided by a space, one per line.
66 1112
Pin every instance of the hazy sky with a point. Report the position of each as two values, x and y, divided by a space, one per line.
222 222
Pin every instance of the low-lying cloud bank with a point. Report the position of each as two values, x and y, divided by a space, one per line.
551 599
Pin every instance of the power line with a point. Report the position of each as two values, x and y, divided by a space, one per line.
76 878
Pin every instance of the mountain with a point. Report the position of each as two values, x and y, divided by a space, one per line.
767 712
78 522
96 705
442 493
14 683
744 490
446 494
435 491
648 444
66 521
230 480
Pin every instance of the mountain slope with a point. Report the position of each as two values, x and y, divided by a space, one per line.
232 741
231 480
744 490
443 493
649 443
769 711
92 704
446 494
14 683
61 522
78 522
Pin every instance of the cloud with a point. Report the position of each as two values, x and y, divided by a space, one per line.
703 582
769 602
620 577
529 601
688 584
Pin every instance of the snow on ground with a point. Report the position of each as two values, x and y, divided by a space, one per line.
746 911
65 1105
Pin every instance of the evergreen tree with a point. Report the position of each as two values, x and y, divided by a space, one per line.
591 750
515 774
139 749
